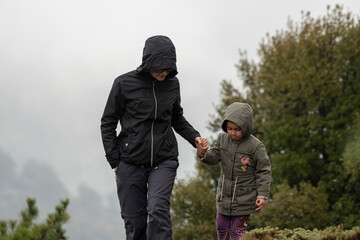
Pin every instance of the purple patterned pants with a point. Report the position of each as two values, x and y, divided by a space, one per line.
227 225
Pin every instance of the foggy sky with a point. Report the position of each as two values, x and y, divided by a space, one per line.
59 59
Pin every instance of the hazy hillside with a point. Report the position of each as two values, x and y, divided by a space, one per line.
93 217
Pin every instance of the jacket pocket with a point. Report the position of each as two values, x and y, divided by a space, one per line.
131 143
244 188
245 196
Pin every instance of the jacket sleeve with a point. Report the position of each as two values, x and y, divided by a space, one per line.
109 122
181 125
263 171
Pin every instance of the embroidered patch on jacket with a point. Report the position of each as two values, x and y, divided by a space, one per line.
244 161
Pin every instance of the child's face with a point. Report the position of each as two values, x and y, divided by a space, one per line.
234 131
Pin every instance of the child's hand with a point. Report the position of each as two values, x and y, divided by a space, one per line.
201 142
260 203
201 146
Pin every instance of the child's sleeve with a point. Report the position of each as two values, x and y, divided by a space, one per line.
263 171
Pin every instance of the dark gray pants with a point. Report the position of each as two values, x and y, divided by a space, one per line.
144 196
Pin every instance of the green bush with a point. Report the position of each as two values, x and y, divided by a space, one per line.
26 229
193 210
305 206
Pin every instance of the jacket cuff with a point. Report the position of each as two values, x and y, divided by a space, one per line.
113 159
114 163
262 197
193 139
200 158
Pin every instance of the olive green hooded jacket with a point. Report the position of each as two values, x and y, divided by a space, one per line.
245 165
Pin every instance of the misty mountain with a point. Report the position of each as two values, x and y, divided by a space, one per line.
92 216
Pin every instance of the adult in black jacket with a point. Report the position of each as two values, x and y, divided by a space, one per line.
144 155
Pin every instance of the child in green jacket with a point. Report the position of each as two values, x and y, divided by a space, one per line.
245 178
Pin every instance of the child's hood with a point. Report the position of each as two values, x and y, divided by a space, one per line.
241 114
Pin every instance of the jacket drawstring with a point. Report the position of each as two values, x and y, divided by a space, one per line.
222 188
234 190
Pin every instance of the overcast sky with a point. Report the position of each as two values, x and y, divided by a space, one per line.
58 60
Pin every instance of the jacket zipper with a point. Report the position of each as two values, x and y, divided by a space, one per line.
233 197
232 175
152 127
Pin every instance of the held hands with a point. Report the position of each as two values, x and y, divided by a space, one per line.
201 146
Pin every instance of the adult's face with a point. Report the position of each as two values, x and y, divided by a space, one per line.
160 74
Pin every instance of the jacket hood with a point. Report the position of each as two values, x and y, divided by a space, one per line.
158 53
241 114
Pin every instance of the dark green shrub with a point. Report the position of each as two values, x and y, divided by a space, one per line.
27 229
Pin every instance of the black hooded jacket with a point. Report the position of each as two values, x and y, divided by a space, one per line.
148 111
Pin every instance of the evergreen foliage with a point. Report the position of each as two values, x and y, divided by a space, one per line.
192 210
304 206
305 93
27 229
306 96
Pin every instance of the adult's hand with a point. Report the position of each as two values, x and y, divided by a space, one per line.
198 140
201 143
